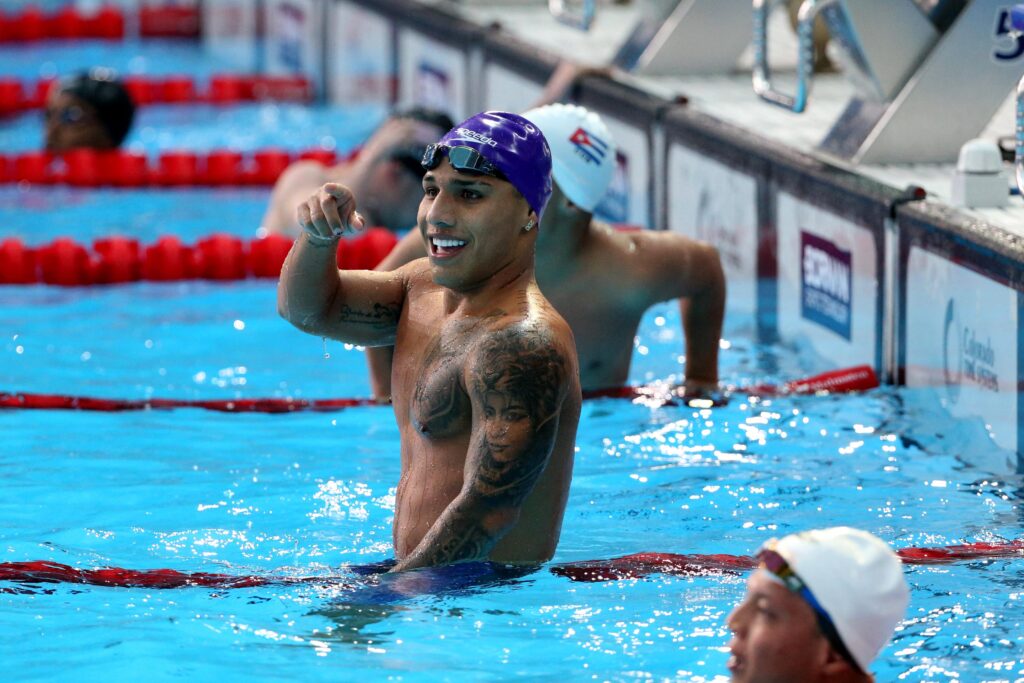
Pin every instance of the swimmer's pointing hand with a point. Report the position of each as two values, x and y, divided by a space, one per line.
329 214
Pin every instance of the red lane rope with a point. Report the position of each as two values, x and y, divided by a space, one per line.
113 260
114 405
844 380
666 395
107 23
222 89
638 565
635 566
173 168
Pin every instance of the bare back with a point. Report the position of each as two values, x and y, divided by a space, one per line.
490 402
602 290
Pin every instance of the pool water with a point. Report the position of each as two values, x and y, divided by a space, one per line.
312 494
308 494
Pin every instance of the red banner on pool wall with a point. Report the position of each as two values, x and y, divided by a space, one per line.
117 259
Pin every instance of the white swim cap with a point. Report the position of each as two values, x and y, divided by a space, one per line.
856 577
582 151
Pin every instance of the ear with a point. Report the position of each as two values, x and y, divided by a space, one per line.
837 668
531 221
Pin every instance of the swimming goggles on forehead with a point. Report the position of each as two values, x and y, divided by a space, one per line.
66 115
462 159
410 159
775 563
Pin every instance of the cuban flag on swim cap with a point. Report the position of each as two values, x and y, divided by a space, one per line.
589 146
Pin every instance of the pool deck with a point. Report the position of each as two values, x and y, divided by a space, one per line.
730 97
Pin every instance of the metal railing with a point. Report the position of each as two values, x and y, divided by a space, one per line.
577 14
762 76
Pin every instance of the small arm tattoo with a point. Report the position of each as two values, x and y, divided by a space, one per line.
382 316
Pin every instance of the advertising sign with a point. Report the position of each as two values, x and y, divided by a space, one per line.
294 39
828 283
961 338
360 56
431 74
710 202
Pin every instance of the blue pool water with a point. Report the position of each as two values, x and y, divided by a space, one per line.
308 494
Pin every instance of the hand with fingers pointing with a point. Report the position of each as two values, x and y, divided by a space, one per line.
329 214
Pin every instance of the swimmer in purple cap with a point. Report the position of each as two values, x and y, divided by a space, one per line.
603 280
485 379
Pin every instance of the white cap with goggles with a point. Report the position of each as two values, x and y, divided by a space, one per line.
852 575
582 151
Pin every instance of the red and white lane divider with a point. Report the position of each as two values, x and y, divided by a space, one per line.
634 566
222 89
859 381
113 260
107 22
172 168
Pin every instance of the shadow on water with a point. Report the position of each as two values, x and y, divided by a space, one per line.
378 595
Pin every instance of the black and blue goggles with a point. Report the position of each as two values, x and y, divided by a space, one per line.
771 560
462 159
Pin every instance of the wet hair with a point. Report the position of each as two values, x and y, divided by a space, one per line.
411 158
434 117
108 96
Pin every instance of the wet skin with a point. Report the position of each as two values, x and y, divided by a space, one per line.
486 395
776 639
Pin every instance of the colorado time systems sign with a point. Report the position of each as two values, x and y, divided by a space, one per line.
825 284
966 357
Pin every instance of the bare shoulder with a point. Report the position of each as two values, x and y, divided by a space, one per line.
533 359
305 175
657 258
417 274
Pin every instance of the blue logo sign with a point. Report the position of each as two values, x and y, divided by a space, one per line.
433 87
826 284
1005 32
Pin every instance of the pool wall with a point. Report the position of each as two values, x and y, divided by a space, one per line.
842 266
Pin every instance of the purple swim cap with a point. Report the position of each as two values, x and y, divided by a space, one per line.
515 146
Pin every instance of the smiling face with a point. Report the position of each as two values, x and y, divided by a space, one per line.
775 636
472 226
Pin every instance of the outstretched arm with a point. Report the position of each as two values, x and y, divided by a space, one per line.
518 381
408 249
298 181
691 270
359 307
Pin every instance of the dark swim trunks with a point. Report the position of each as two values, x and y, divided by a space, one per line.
463 578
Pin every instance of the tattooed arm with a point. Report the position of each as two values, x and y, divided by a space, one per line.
359 307
518 380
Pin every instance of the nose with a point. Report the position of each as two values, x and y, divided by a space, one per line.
440 213
737 618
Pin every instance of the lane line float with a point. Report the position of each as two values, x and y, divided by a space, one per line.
860 378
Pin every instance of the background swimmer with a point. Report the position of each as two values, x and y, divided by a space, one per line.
91 109
385 175
600 279
818 609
